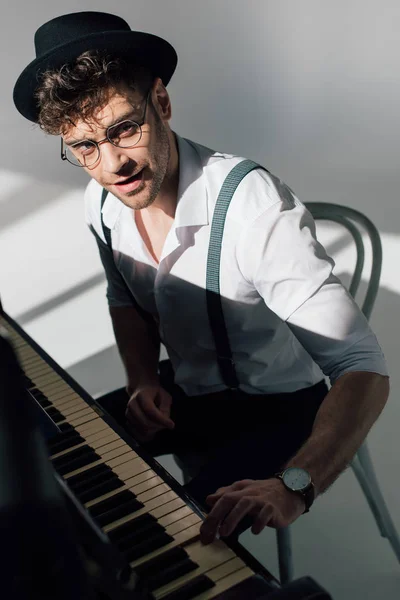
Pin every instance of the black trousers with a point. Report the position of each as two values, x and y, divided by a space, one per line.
242 436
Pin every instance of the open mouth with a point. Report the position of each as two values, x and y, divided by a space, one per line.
131 179
130 184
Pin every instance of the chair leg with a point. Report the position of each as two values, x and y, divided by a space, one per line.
364 471
285 559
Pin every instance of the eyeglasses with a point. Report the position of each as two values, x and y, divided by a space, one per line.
125 134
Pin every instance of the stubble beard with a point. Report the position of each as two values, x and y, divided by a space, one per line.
160 158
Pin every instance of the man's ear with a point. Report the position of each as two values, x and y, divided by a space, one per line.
161 100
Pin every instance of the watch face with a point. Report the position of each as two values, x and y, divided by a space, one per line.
296 479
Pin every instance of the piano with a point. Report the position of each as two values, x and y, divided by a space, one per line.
140 508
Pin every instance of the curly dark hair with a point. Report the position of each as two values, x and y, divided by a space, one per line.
79 89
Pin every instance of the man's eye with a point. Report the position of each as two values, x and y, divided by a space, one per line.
83 148
125 129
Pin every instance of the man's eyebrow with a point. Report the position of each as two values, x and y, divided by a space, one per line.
121 118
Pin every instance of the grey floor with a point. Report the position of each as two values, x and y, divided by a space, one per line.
338 542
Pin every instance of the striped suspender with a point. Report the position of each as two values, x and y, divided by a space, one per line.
106 230
214 304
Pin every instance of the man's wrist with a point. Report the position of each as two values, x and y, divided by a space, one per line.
134 386
298 482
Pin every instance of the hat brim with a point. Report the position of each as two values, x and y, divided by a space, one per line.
141 48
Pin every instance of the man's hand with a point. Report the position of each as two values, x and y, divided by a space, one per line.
148 411
267 500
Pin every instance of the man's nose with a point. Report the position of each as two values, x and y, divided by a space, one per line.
113 158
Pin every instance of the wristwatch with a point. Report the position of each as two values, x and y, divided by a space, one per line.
299 481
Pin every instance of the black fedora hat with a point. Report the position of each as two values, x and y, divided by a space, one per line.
64 38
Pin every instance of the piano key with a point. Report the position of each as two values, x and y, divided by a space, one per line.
69 409
190 534
153 492
180 524
191 589
157 507
93 427
142 523
65 443
80 479
111 516
104 447
145 547
64 434
95 480
176 515
143 486
55 414
85 458
130 540
225 583
213 565
172 573
87 418
97 490
111 503
153 570
63 427
71 455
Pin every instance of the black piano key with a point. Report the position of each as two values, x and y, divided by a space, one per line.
110 503
44 403
27 382
130 527
81 478
147 546
55 414
63 427
61 460
162 562
65 444
81 461
61 436
119 512
99 490
131 540
100 476
192 588
39 395
171 573
78 463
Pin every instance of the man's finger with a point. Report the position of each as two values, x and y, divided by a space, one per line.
153 413
136 416
243 507
221 509
263 518
164 402
212 498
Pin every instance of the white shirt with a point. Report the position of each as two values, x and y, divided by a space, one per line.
287 315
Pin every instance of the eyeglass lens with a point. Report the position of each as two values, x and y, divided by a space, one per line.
123 135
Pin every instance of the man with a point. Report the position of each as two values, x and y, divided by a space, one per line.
102 87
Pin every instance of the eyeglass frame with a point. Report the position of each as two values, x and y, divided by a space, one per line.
107 139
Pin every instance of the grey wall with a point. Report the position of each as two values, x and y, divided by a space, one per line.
310 89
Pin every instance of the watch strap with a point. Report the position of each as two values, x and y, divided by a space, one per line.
308 494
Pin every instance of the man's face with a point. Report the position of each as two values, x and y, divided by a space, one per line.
135 175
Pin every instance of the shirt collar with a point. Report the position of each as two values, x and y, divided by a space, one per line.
192 209
192 206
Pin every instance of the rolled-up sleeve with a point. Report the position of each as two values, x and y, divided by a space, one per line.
118 293
292 272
